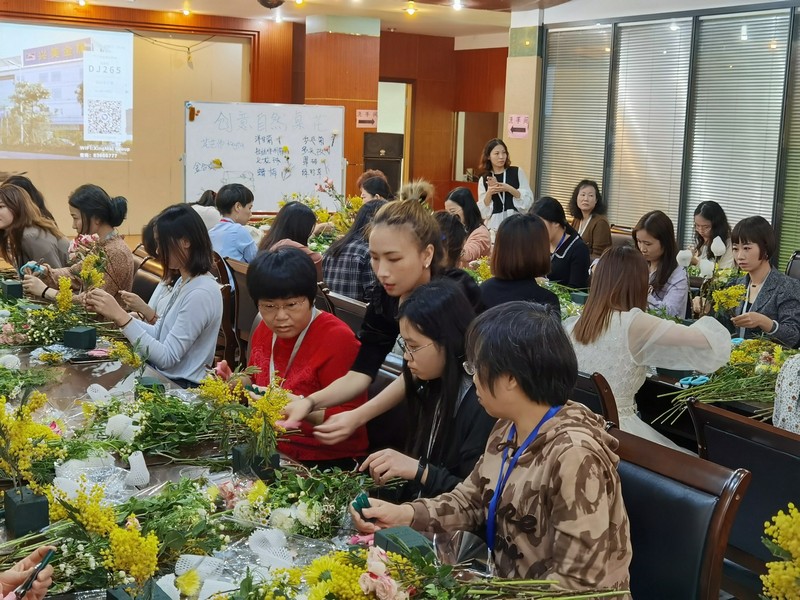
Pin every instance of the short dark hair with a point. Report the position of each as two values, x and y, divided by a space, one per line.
550 209
713 212
453 236
472 214
526 341
756 230
377 186
37 197
521 248
228 195
150 245
599 208
181 222
370 173
282 273
93 202
294 221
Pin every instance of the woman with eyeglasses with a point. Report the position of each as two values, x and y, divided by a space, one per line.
307 348
449 426
710 222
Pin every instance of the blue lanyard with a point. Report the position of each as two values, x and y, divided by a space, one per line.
561 241
491 519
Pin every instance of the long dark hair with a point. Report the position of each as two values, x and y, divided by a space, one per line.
659 225
711 211
472 215
294 221
37 197
358 230
453 236
486 162
438 310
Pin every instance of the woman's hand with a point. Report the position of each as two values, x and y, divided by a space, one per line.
33 286
103 303
338 427
386 515
751 320
507 187
134 303
17 575
700 306
387 464
298 408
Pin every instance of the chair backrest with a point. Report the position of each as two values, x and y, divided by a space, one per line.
146 276
680 509
771 455
621 236
793 267
246 309
594 392
141 252
228 347
323 299
348 310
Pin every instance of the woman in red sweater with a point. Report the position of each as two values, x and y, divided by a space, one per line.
307 348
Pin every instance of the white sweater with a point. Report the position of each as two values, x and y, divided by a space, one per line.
182 342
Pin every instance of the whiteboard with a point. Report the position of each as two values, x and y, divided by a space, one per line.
273 149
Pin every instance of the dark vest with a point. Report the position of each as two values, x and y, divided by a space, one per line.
505 201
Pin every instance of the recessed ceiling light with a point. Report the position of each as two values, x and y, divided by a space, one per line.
81 2
411 9
298 1
186 12
457 5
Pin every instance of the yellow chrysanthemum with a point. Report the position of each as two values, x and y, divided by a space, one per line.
188 584
728 298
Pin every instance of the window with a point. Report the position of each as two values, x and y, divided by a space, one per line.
574 112
738 94
651 78
790 217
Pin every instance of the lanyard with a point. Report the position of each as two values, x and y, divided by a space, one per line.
584 224
295 350
561 241
225 220
502 479
175 294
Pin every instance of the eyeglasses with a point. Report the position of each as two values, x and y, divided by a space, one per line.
289 307
469 368
411 351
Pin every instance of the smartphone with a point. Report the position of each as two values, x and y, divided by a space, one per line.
23 589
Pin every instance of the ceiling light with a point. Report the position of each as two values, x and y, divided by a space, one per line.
457 5
81 2
411 9
270 3
298 1
186 12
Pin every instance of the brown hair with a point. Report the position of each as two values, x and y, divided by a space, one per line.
368 174
619 283
421 223
486 162
26 214
521 248
418 190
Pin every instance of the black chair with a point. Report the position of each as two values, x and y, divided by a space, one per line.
793 267
348 310
228 346
680 509
772 455
146 276
246 309
594 392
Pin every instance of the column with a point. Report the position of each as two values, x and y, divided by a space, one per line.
342 69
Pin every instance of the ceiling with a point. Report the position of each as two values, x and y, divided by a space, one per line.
433 17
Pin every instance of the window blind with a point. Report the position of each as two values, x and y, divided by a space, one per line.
651 78
738 92
790 219
577 69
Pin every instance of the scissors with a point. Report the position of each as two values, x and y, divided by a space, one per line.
693 381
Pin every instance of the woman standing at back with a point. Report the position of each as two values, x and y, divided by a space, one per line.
502 189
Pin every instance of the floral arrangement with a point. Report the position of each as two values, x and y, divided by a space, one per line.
23 441
126 354
44 325
727 299
782 580
715 279
346 207
480 269
749 376
305 501
86 251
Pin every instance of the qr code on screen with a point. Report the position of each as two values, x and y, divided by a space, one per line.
104 117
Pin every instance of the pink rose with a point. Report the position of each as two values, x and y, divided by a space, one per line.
8 328
367 583
386 588
55 428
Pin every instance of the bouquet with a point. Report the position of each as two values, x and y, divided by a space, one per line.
89 260
480 270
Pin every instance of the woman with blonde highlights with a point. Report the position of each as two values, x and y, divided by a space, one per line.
616 338
26 235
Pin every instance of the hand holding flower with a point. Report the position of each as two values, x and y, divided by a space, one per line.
103 303
386 515
751 320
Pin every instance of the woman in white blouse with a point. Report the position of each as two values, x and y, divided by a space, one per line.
786 413
616 338
710 222
502 189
